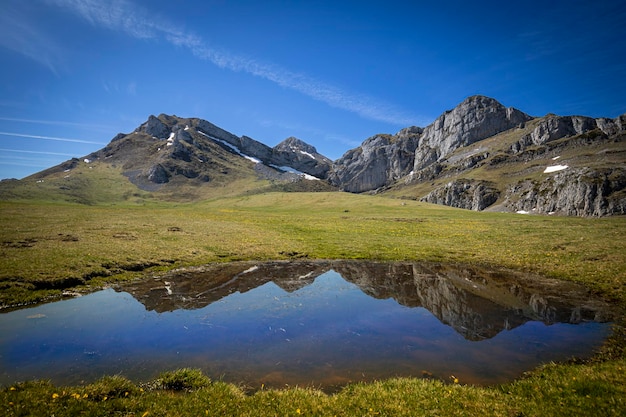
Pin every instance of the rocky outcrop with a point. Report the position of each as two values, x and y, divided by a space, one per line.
154 127
612 127
383 159
572 192
476 118
158 174
301 156
379 161
554 127
466 194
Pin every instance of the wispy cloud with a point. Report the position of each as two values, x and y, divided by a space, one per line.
135 21
57 139
55 123
36 152
19 34
34 164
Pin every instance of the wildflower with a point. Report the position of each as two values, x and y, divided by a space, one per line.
76 396
298 411
55 395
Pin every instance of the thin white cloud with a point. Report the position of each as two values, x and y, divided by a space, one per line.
39 165
55 123
36 152
124 16
19 34
23 135
131 88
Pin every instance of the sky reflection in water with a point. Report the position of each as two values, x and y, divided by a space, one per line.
248 325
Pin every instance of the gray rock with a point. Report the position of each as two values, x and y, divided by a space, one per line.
379 161
476 118
553 128
158 174
301 156
466 194
572 192
558 127
155 127
612 127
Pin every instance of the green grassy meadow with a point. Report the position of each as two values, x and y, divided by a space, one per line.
48 248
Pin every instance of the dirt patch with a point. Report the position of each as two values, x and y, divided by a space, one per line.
24 243
125 236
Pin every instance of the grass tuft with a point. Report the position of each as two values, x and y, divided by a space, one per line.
185 379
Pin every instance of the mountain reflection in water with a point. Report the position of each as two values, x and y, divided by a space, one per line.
321 323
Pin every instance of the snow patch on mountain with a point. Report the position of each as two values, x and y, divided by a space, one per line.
554 168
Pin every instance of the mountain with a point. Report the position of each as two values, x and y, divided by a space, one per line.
168 148
177 159
484 156
480 155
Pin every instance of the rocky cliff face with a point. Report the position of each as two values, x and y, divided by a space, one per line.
457 162
466 194
379 161
476 118
383 159
575 192
554 127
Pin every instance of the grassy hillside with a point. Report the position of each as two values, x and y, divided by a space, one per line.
50 247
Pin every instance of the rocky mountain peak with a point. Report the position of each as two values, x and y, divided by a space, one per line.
474 119
155 127
297 154
295 145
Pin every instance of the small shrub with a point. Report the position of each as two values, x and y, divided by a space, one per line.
186 379
110 387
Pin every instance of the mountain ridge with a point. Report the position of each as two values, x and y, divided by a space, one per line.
479 155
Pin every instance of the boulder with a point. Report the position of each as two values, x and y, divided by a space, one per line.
158 174
466 194
154 127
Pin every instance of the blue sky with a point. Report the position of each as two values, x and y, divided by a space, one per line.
74 73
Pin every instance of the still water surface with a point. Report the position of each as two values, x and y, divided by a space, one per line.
312 323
